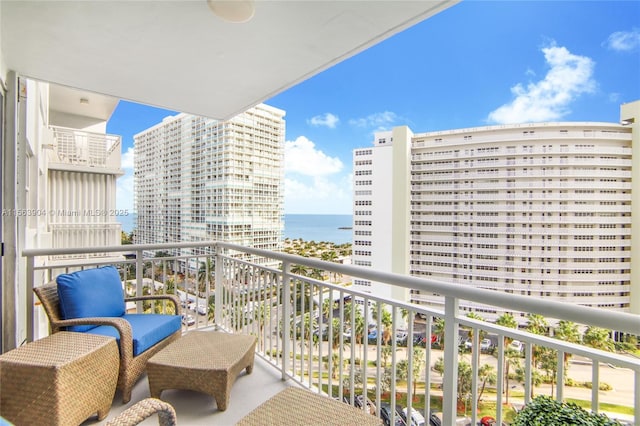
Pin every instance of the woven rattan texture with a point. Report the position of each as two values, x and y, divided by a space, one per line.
131 368
202 361
295 407
61 379
143 410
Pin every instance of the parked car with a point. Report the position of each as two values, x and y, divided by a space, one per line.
401 338
486 345
325 331
467 345
419 340
417 419
188 319
385 415
359 402
488 421
517 345
436 420
202 309
373 336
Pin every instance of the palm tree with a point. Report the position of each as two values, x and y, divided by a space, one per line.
598 338
330 256
299 270
482 333
386 321
206 272
262 314
487 375
568 332
507 320
418 362
357 329
548 361
536 324
385 352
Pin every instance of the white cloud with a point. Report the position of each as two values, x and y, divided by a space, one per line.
380 120
327 119
548 99
126 161
624 41
314 182
319 195
124 184
124 192
301 156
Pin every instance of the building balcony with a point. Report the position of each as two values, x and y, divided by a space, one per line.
79 148
315 331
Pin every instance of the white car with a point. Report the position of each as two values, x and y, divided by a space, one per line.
417 419
485 345
517 345
188 319
202 309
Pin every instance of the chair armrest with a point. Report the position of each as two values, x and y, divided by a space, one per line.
169 297
143 410
120 324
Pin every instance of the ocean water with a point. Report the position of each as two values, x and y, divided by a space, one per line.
319 227
309 227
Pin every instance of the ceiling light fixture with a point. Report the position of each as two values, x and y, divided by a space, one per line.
237 11
84 101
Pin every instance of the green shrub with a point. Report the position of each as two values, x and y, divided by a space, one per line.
544 411
605 386
602 386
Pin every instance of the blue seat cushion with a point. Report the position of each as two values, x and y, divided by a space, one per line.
95 292
147 329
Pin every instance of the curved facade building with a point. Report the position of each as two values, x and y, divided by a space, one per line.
540 209
536 209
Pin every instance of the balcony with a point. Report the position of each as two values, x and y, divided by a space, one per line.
322 335
78 148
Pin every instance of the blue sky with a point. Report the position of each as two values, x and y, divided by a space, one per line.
475 64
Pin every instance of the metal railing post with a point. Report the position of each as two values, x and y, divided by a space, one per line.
450 387
30 309
139 291
218 291
560 377
286 317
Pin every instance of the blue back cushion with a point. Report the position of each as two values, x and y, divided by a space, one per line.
147 329
91 293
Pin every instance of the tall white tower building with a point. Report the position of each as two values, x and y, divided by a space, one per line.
539 209
381 209
199 179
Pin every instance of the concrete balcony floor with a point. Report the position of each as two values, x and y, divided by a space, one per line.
194 408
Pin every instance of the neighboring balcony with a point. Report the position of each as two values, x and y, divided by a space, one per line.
320 334
73 147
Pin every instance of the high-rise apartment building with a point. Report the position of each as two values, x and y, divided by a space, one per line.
199 179
59 187
540 209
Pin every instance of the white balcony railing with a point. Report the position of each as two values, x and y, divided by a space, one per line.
311 331
78 147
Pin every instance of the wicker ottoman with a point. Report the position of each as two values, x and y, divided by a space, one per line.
202 361
295 406
62 379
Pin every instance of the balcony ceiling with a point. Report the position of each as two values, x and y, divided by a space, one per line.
179 55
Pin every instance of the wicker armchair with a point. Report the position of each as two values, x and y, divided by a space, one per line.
143 410
131 367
